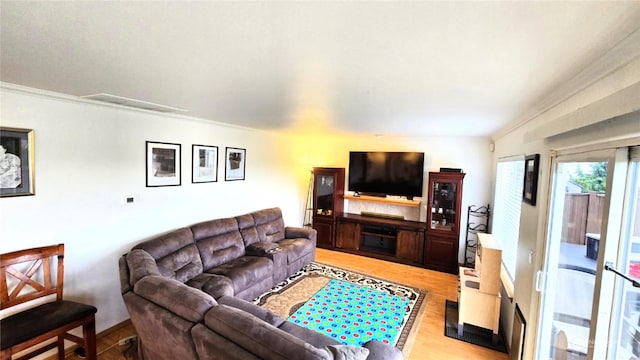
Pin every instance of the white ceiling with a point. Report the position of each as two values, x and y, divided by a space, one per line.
398 68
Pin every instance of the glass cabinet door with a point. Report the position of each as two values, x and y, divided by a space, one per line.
328 203
443 205
443 221
443 208
325 188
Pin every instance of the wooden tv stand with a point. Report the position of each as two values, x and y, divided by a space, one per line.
383 238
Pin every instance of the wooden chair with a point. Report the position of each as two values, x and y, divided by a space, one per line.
27 275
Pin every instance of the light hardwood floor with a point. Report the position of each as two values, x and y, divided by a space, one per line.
430 342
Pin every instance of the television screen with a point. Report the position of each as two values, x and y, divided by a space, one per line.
386 173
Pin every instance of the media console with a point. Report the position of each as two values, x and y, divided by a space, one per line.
380 237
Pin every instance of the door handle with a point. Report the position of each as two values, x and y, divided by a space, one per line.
540 283
609 266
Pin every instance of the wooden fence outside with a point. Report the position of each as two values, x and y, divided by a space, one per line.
582 215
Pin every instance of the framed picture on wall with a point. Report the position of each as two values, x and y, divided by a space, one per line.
518 335
530 187
17 162
204 164
235 162
163 164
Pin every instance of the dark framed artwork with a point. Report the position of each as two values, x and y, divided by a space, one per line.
163 164
17 162
530 187
204 163
235 163
518 335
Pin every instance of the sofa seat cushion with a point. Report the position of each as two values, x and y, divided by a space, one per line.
296 248
245 271
212 284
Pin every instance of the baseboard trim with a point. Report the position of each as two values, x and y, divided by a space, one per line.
104 333
113 329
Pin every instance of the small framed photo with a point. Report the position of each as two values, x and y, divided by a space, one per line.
163 164
17 162
530 187
235 162
204 164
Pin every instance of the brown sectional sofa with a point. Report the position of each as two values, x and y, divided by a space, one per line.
187 290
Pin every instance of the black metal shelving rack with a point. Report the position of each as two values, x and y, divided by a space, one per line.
477 222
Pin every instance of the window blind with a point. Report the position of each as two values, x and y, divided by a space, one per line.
506 210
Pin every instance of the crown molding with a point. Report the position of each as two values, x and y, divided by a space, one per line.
621 54
21 89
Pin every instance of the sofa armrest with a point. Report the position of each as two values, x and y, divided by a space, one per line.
291 232
261 248
182 300
382 351
264 340
123 267
140 264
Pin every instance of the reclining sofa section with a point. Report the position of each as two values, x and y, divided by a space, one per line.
186 292
243 256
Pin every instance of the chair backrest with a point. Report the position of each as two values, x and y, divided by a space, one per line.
28 274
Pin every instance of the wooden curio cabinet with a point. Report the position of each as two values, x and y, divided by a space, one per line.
443 221
328 203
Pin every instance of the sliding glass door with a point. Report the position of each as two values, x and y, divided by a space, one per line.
625 322
576 298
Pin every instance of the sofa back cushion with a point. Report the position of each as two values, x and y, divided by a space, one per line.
262 339
269 224
247 226
175 254
219 241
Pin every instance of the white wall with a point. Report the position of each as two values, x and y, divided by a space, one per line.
518 142
471 154
89 156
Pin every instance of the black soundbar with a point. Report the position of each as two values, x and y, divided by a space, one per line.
382 215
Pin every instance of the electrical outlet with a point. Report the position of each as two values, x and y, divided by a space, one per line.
128 340
128 199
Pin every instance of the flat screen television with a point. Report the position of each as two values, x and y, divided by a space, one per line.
380 173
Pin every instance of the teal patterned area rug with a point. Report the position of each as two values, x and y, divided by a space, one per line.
352 308
353 314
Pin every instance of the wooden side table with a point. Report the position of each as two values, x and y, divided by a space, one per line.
479 296
476 307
